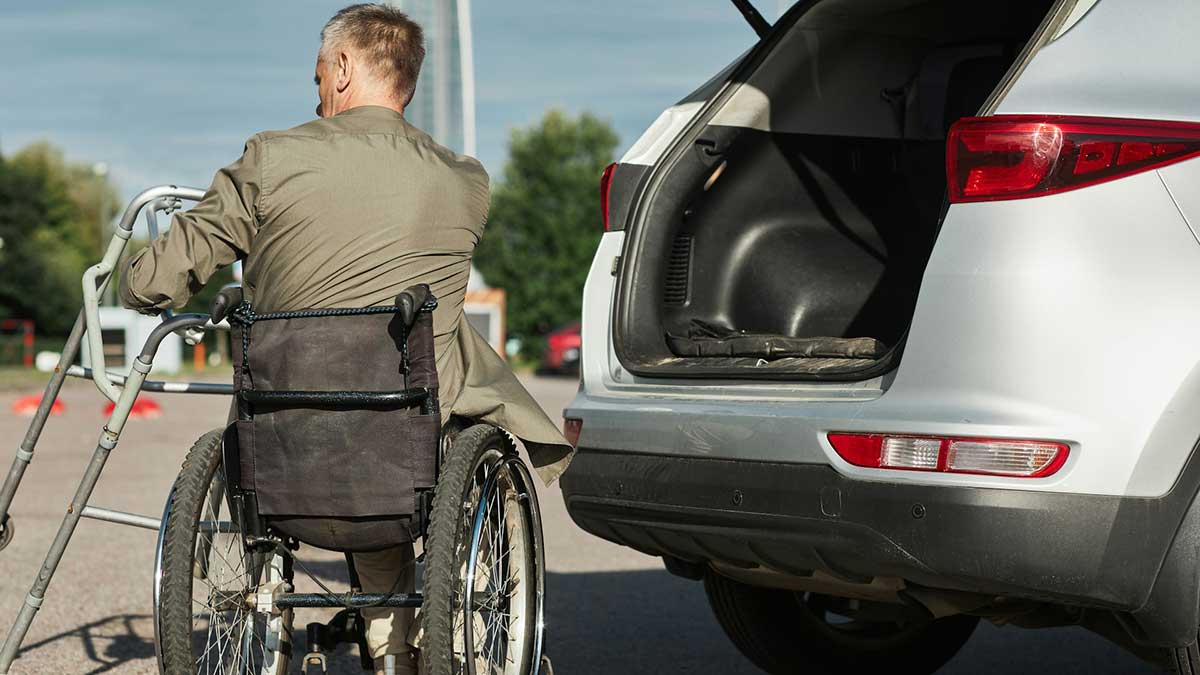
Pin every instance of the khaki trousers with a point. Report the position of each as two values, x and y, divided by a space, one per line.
388 630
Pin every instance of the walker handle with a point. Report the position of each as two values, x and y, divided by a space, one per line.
97 277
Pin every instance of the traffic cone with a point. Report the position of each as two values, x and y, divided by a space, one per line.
26 406
144 408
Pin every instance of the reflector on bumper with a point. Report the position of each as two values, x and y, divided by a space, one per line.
571 430
1008 458
908 452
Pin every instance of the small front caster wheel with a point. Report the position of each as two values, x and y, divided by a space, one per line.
7 530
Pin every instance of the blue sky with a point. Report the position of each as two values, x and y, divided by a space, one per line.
169 91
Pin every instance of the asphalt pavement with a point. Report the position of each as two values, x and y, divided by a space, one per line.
610 609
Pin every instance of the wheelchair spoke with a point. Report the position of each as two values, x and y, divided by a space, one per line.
493 552
206 616
223 635
214 549
222 583
214 628
208 641
224 639
497 591
244 645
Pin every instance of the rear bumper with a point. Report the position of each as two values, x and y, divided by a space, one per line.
1087 550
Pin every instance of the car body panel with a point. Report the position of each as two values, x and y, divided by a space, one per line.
1038 318
1122 59
655 140
1181 180
1069 316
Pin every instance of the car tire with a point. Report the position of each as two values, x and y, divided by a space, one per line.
780 633
1184 660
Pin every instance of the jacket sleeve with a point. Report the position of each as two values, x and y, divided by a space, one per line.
479 193
214 233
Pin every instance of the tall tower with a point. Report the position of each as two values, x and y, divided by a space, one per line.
444 104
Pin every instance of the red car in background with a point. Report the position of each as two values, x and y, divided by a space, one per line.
562 351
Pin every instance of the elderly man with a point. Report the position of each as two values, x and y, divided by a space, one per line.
346 211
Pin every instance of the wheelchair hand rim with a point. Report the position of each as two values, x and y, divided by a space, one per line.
514 470
158 556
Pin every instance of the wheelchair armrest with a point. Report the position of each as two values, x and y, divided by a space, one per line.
228 297
410 301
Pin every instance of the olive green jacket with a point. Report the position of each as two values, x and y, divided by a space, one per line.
347 211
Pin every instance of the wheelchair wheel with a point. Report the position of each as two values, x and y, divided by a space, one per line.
206 619
484 579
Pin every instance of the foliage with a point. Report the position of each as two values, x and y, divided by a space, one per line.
202 300
545 222
50 215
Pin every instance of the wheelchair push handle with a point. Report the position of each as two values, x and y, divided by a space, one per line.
411 301
227 298
409 304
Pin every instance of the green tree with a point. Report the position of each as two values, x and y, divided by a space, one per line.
202 300
545 222
50 215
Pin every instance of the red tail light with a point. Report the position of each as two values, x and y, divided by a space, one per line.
571 429
1019 156
605 183
991 456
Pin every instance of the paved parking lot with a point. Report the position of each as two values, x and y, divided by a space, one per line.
611 610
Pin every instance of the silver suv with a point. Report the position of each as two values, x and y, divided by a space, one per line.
896 325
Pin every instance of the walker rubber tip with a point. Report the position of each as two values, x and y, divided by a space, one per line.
143 409
26 406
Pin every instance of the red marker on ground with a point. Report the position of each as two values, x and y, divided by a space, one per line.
26 406
143 409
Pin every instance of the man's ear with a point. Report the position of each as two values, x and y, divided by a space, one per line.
345 71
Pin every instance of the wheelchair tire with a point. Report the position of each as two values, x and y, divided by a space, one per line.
8 529
485 518
204 578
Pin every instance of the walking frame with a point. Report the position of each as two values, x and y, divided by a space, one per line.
122 390
481 546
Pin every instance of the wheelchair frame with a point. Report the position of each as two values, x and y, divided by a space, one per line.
123 390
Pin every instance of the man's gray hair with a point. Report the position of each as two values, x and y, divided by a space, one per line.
393 44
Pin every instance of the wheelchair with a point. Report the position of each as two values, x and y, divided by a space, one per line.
364 466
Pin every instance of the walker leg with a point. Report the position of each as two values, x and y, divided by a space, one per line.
33 602
25 451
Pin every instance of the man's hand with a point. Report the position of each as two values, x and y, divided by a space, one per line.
148 311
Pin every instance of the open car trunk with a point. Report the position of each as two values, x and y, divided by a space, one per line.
787 232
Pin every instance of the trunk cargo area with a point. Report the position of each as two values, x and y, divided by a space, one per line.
790 236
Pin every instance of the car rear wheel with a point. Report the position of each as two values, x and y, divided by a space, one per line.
1184 660
791 632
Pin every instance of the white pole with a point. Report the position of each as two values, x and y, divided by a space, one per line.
441 78
467 63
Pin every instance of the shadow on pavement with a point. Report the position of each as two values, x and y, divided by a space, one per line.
105 649
331 571
642 621
649 621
